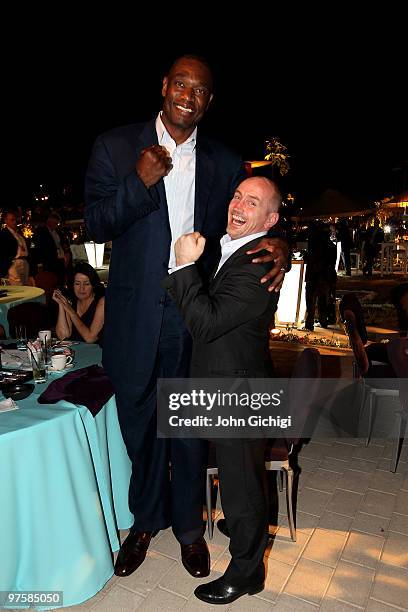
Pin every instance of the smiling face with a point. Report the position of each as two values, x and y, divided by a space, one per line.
187 95
253 208
82 287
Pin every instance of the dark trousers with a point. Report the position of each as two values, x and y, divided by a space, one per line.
168 475
317 291
243 485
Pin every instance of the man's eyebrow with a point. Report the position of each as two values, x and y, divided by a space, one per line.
254 197
185 75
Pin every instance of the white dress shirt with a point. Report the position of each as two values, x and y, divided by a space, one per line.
22 250
179 184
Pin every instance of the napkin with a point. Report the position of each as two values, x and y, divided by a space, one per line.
7 405
14 359
88 387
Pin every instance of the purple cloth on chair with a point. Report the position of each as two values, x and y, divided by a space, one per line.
88 387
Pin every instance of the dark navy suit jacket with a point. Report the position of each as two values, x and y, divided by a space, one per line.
120 208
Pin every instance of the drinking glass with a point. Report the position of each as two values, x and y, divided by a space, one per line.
37 360
21 337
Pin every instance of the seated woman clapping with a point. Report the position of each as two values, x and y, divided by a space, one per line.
81 314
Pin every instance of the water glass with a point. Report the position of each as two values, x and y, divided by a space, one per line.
37 360
21 337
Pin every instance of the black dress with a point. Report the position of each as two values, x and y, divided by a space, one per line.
86 319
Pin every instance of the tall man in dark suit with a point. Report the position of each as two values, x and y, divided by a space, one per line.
146 185
229 325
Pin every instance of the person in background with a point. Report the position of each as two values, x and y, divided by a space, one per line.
371 246
146 185
49 247
81 313
320 275
14 262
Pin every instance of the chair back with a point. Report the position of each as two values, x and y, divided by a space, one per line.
47 281
33 315
350 301
397 351
304 387
360 356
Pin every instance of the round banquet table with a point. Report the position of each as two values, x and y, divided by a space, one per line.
64 487
16 294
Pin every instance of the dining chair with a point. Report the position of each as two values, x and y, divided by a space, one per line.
47 281
33 315
398 355
376 379
281 454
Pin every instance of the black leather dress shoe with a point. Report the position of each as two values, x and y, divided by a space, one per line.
222 526
196 558
132 552
220 592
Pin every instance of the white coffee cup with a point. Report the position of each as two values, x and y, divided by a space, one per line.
45 335
60 361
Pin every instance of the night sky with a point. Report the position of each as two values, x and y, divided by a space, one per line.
338 101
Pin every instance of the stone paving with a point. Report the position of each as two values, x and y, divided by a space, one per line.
351 551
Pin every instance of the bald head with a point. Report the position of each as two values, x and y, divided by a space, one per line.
254 207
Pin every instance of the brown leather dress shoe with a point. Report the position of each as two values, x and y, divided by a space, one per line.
132 552
196 558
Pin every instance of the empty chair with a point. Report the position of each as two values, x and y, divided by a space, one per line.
280 454
377 380
33 315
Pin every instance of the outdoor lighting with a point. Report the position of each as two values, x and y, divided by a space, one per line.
94 252
292 300
387 229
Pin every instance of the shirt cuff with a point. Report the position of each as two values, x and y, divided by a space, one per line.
171 270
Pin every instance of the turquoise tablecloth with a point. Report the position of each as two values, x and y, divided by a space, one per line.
64 489
17 295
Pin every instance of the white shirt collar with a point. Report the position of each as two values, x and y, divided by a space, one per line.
164 137
227 244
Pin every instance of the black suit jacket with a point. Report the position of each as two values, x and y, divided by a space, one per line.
120 208
228 322
8 250
46 251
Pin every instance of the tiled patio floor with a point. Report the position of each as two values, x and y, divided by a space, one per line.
351 551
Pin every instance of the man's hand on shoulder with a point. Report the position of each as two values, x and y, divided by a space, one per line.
154 163
189 248
279 255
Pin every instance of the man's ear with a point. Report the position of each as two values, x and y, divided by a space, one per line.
164 86
271 220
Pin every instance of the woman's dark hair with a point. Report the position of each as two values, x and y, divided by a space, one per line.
87 270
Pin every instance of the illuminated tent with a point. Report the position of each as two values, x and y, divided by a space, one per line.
332 204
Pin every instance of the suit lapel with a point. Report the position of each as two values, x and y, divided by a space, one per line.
230 262
205 170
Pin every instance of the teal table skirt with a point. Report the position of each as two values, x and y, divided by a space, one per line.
64 494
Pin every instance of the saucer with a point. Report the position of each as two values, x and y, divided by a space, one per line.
67 367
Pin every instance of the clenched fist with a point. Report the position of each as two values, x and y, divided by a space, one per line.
154 163
189 248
